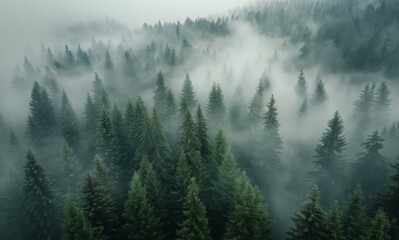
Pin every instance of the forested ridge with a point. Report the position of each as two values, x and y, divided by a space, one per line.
276 121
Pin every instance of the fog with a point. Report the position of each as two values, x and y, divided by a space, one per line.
232 43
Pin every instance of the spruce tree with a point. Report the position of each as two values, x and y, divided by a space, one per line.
237 110
319 94
379 227
195 222
188 93
335 227
301 85
108 64
202 135
272 142
75 225
71 170
248 218
160 96
69 123
370 171
99 208
256 107
354 218
141 222
310 222
329 159
383 102
363 107
216 107
100 97
39 203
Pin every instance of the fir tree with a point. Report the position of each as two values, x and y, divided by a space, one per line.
39 204
69 124
379 227
216 107
75 225
335 226
370 171
329 159
256 107
272 142
188 93
70 169
108 64
319 94
301 85
383 101
354 218
82 59
248 218
160 96
195 222
310 222
141 220
99 208
237 110
363 107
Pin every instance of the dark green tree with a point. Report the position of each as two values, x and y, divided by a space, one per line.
319 95
216 107
370 171
310 222
141 220
355 218
195 222
237 110
75 225
99 208
329 160
379 227
39 203
188 93
248 218
301 85
383 101
272 143
160 96
334 220
71 170
256 107
69 123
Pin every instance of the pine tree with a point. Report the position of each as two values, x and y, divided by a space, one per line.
188 93
320 94
69 58
161 155
272 142
82 59
195 222
69 123
248 218
99 208
301 85
370 171
335 226
100 97
202 135
363 107
70 173
41 121
237 110
91 116
355 219
216 107
379 228
40 218
152 185
141 220
108 64
75 226
256 107
160 96
145 140
329 159
310 222
171 108
107 142
383 101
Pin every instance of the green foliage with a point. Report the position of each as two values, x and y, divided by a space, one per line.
141 220
379 227
354 218
160 96
216 107
319 95
99 208
310 222
248 218
75 225
334 220
329 159
69 123
301 85
188 93
39 203
195 222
